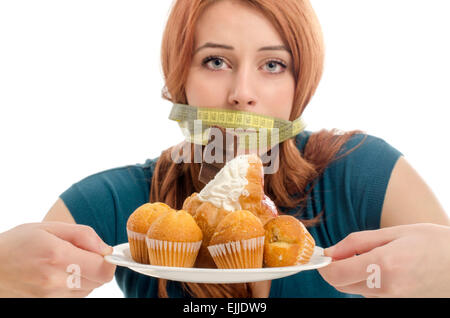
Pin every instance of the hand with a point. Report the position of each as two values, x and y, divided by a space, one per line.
36 260
411 260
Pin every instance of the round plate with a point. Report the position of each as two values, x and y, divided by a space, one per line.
121 256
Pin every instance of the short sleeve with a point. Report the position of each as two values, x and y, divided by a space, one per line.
105 200
368 167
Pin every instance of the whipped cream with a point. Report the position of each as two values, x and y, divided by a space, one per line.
228 185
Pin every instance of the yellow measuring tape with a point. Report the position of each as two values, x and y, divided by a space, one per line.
251 128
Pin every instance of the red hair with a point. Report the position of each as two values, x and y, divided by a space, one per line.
299 28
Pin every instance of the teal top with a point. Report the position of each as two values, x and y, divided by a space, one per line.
351 193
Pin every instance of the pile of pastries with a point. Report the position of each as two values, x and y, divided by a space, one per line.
231 223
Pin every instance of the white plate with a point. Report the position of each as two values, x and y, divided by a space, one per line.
121 256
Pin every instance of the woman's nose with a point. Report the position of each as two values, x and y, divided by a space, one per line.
242 95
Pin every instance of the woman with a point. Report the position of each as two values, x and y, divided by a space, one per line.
264 57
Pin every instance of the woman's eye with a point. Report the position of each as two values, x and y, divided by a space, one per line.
275 67
213 62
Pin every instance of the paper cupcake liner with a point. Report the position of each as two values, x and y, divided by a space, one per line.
178 254
138 247
307 249
239 254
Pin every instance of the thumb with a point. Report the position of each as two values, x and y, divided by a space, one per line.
361 242
82 236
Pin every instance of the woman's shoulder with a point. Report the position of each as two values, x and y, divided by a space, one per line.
360 146
368 153
122 175
128 180
359 176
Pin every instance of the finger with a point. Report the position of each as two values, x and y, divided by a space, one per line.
361 242
61 284
67 283
71 259
79 293
89 265
350 270
79 283
81 236
360 288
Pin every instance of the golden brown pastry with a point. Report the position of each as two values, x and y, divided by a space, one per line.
138 224
191 203
174 240
208 217
267 210
237 226
238 241
287 242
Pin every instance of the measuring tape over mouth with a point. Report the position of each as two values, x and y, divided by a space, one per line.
196 122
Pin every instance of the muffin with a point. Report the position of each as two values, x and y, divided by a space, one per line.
238 241
174 240
137 226
287 242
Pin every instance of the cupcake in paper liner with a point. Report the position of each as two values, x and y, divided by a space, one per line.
238 241
288 242
174 240
137 226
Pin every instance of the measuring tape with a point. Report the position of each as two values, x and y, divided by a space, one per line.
251 128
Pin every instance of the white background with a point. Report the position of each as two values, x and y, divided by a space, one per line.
80 90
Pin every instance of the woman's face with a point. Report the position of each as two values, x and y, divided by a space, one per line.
240 62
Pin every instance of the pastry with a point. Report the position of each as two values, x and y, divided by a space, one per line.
287 242
137 226
174 239
238 241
